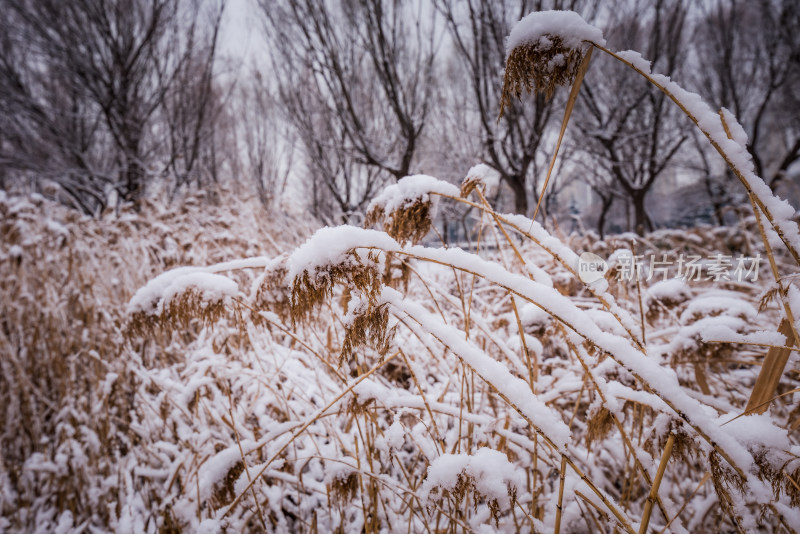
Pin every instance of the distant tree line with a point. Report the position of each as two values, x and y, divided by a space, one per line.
101 99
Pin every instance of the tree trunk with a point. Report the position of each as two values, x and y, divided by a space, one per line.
639 212
604 209
517 185
134 172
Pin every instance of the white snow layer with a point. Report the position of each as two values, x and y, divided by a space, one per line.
491 471
733 149
213 287
568 25
147 298
330 246
411 189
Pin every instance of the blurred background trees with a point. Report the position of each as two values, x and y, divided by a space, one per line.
95 95
629 130
750 58
355 81
105 103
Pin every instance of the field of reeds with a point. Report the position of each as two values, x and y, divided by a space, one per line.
391 386
191 372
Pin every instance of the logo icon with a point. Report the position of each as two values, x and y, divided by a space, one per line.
591 267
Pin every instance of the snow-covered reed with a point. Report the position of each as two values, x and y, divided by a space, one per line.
364 381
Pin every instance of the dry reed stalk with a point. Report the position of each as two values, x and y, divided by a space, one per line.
767 247
598 526
684 416
701 378
578 399
769 377
461 397
662 467
573 96
598 424
700 484
505 222
775 361
562 477
303 428
532 369
639 295
244 460
494 215
620 517
296 339
440 441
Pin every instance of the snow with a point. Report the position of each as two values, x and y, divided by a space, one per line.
717 303
737 131
410 190
779 212
213 287
216 467
793 299
531 315
492 371
331 245
672 290
147 298
721 332
493 474
395 435
279 395
756 430
163 288
636 59
662 380
568 25
370 390
487 175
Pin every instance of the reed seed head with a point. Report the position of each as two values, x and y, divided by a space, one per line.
344 489
600 424
409 223
469 184
724 477
310 290
272 294
368 326
539 66
180 312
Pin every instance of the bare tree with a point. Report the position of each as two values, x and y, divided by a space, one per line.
49 128
627 127
193 102
355 79
83 80
749 62
478 29
265 144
